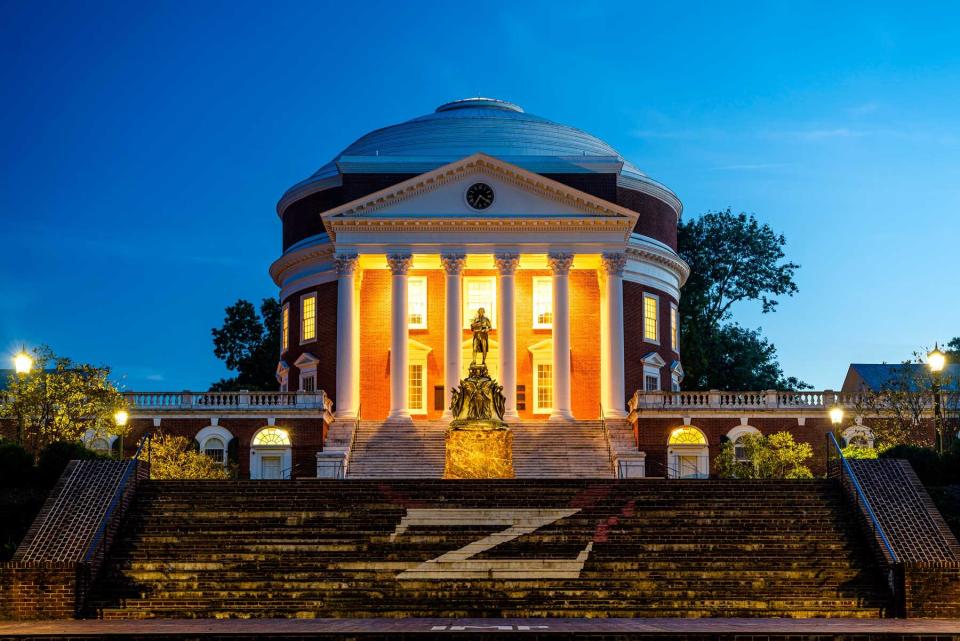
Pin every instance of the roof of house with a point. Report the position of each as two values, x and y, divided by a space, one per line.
876 376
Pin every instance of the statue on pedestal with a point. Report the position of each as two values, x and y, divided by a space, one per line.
479 397
481 326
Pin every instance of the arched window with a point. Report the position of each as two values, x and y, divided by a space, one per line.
101 445
271 436
858 436
736 436
215 448
688 455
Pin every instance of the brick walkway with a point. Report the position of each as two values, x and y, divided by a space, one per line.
608 629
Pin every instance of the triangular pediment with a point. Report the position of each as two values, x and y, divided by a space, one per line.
653 359
306 360
440 195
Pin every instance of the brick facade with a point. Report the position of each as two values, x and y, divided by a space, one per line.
635 346
325 345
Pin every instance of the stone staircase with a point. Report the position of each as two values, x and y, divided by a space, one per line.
497 548
540 450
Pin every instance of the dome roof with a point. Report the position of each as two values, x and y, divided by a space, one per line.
464 127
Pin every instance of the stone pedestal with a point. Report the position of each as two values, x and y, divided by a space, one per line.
479 450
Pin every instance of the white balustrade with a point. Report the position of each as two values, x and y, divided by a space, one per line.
226 400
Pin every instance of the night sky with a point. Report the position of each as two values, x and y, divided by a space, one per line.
144 147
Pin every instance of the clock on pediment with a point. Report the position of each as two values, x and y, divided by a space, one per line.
479 195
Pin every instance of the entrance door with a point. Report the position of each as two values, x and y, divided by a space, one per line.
688 467
271 466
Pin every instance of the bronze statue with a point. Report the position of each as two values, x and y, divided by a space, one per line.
481 326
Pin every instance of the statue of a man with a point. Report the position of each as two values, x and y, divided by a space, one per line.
481 341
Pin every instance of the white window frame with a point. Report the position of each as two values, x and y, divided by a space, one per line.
738 432
656 325
303 299
283 376
307 367
215 431
418 354
491 310
674 328
858 430
541 280
413 283
542 353
285 328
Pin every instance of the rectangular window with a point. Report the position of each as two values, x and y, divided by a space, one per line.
651 383
650 324
285 329
542 302
479 291
308 318
309 384
417 302
674 328
544 387
416 389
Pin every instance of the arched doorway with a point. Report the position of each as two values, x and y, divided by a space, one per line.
688 455
270 454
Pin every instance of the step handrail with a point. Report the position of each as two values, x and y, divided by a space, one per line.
132 466
858 494
606 437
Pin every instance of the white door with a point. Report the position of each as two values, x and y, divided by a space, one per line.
688 467
271 467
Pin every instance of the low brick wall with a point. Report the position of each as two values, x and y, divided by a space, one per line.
42 590
931 591
52 570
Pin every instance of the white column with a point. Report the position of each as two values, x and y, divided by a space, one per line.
614 396
347 372
399 336
507 330
560 264
453 328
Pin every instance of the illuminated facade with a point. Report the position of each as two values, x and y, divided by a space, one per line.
389 250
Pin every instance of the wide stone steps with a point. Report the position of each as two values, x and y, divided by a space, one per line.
314 548
540 450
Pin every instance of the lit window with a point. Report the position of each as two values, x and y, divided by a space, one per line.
674 328
416 389
285 329
308 384
544 392
214 448
417 302
542 302
271 436
308 318
479 291
651 383
650 318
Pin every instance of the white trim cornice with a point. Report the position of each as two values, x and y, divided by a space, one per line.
479 163
648 252
321 251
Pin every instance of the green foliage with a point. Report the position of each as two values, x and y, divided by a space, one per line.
732 258
933 469
776 456
249 344
60 400
176 457
16 465
55 456
854 451
952 350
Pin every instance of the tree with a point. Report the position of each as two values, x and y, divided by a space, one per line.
249 344
732 258
952 350
61 400
175 457
776 456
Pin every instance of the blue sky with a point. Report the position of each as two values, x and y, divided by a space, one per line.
144 146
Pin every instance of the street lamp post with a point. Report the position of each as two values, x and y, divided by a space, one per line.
120 420
936 361
22 363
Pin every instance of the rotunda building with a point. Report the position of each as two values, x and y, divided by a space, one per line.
390 249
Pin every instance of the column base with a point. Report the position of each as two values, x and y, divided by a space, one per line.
609 413
447 415
511 415
561 416
345 415
399 416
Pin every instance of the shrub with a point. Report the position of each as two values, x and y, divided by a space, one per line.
175 457
16 465
54 458
854 451
776 456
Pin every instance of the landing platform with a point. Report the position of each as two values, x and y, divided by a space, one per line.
501 629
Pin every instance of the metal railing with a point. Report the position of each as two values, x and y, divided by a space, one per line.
116 500
606 438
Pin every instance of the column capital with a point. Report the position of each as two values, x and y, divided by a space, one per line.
614 262
506 262
453 263
560 262
399 263
345 264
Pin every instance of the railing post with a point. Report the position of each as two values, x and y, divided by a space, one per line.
244 399
713 398
186 399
